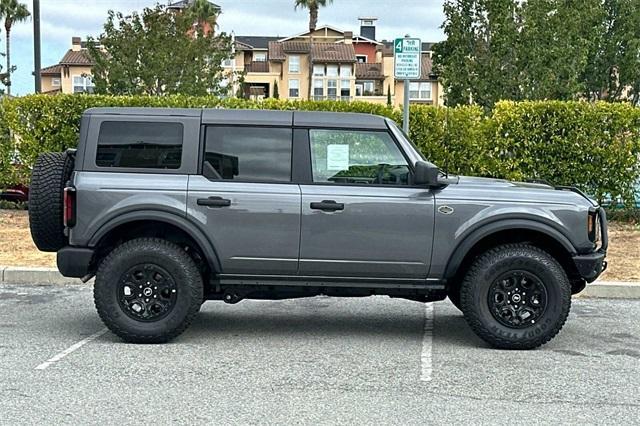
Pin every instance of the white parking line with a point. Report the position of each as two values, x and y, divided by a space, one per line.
70 349
427 342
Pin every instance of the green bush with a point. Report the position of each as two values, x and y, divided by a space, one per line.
595 146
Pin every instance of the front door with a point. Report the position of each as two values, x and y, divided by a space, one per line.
361 216
245 201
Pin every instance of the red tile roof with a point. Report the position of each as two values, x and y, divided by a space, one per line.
77 57
333 52
371 71
53 70
276 53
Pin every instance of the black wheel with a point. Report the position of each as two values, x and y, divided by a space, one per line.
516 297
148 290
50 174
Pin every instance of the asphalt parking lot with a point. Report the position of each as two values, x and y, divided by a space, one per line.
320 360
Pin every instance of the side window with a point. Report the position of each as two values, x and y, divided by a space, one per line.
248 154
359 157
140 145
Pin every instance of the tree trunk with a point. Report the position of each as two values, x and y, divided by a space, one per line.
313 18
8 61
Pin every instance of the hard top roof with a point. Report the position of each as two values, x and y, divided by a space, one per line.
256 117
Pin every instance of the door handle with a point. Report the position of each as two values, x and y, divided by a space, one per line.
214 202
327 206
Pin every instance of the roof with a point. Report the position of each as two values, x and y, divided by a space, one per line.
77 57
256 117
182 4
304 33
426 71
53 70
370 71
296 46
331 52
276 53
256 42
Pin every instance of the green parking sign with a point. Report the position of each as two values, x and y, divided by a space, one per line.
407 58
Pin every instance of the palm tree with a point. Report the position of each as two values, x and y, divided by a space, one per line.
11 11
313 6
205 14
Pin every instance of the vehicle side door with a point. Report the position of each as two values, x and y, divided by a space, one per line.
361 215
245 201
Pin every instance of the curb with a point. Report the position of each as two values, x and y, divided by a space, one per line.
26 275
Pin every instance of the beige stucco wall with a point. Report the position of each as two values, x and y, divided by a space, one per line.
67 80
302 76
47 84
436 94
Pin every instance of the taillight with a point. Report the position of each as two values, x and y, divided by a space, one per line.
69 212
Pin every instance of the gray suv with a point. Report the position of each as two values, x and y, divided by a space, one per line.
168 208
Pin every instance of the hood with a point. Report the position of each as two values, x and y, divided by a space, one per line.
501 189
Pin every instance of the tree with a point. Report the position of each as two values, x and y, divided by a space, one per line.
11 11
313 6
156 52
276 93
204 14
389 103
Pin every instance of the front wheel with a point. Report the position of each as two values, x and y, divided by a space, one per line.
516 296
148 290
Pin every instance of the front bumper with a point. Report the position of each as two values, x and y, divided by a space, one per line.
591 265
74 261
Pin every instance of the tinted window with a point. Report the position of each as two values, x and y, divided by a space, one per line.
248 154
359 157
140 145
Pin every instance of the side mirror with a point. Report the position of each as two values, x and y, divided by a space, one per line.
426 174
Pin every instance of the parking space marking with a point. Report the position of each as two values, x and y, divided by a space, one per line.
427 343
70 350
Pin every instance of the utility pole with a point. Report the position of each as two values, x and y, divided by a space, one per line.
36 46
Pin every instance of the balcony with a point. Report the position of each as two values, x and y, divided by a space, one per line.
256 66
331 98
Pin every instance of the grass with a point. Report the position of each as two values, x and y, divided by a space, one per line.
17 249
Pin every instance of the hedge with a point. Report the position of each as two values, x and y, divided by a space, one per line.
595 146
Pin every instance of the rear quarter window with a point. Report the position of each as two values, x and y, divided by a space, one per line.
140 145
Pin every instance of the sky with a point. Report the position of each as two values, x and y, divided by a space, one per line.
63 19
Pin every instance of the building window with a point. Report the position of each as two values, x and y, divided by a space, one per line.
318 70
318 88
365 88
139 145
259 57
345 71
228 63
82 84
420 91
332 89
294 64
294 88
361 59
345 89
332 70
55 82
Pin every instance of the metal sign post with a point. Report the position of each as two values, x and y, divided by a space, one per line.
408 63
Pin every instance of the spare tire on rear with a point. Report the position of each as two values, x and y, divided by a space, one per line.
49 177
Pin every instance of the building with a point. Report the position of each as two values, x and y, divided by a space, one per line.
72 74
329 64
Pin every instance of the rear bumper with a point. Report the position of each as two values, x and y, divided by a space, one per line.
74 261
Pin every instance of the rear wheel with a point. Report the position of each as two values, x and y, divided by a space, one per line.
148 290
49 177
516 297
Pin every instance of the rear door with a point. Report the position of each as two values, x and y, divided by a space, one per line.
361 216
245 201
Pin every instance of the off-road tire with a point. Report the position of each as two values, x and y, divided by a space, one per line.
50 174
176 262
515 257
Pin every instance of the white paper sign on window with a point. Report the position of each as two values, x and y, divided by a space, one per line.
337 157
